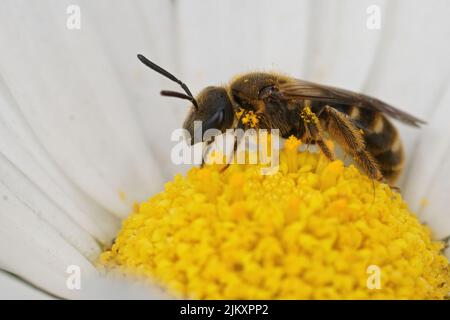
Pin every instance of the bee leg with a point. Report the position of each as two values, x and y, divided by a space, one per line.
395 188
326 151
237 141
206 152
446 241
308 142
314 132
341 129
229 160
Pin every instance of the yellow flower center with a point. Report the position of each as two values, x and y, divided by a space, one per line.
313 230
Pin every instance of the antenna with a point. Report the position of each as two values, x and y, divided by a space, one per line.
168 93
170 76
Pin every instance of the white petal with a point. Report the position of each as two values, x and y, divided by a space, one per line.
70 144
340 48
411 66
89 130
428 184
14 289
235 38
20 149
34 250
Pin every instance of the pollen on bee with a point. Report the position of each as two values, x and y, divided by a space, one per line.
251 119
239 112
308 116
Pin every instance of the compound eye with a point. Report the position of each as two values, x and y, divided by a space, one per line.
267 91
220 117
215 121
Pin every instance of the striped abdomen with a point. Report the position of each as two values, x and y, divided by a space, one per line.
381 137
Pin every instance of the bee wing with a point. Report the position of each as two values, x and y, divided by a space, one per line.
300 89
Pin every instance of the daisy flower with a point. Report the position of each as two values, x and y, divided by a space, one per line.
86 142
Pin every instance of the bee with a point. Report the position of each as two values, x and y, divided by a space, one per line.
309 111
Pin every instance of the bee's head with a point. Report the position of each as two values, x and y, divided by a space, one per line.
212 107
214 110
